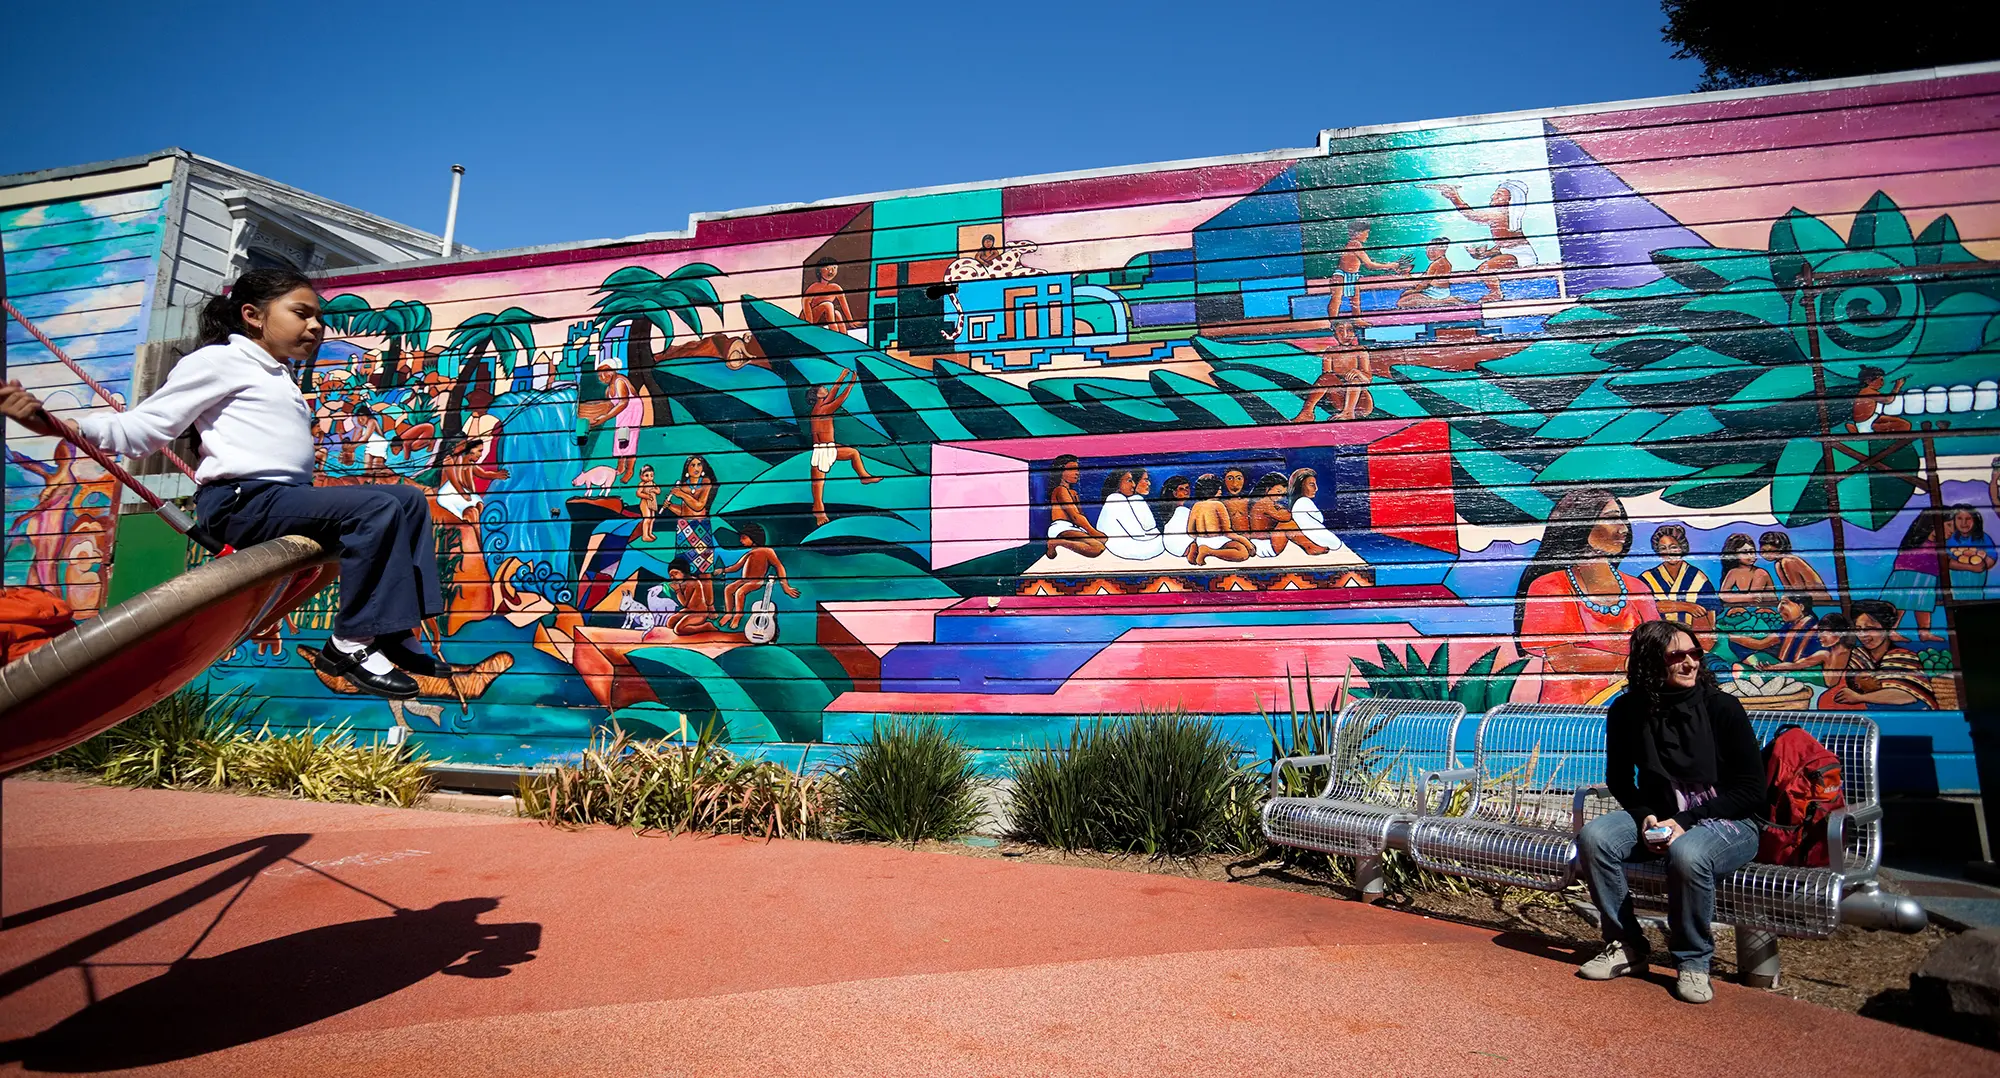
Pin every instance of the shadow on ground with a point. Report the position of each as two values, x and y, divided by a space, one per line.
201 1005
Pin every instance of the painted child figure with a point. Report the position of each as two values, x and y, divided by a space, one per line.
752 569
649 502
695 597
826 400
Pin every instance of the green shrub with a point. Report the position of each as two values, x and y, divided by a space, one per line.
655 785
910 780
194 739
176 742
1164 784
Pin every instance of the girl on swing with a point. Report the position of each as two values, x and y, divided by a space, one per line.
256 473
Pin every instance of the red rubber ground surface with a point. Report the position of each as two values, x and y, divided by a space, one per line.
523 950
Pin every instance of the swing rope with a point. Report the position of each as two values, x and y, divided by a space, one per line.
77 369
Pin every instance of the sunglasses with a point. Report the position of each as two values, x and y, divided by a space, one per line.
1684 655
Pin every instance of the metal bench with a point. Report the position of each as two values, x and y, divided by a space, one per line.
1538 775
1392 762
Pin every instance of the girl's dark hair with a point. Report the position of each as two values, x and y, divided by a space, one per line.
1778 540
1927 521
1167 488
1207 487
1978 522
1646 662
1733 549
1835 622
1566 541
1270 481
223 315
1882 611
1111 481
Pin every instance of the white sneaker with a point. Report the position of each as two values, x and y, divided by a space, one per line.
1693 987
1616 960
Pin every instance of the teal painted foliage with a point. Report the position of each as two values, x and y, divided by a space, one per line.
1701 382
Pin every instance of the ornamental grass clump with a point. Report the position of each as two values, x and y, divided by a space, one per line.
1165 784
910 780
198 740
655 785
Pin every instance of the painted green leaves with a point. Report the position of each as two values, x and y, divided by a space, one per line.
636 294
1702 382
508 336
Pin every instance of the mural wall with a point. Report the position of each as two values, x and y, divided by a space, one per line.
1442 412
82 269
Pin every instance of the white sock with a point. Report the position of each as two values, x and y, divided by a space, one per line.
371 660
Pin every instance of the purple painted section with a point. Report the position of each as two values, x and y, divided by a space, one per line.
1608 231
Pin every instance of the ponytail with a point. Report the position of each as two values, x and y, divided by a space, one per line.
223 315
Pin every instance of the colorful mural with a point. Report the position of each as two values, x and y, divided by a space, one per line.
83 269
1444 411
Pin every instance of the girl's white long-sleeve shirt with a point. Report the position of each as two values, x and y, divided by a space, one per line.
252 421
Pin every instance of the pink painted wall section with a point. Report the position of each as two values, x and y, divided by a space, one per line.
976 501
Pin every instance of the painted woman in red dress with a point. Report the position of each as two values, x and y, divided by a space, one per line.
1575 609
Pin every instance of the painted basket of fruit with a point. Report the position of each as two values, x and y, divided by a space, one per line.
1770 692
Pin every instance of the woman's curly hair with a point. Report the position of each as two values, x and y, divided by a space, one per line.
1646 661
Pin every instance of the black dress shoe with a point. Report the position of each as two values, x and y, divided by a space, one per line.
394 685
398 650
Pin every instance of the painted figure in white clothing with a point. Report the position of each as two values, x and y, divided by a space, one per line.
1306 513
1503 217
1126 521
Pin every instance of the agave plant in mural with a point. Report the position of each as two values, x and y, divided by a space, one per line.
403 325
1479 688
507 338
642 301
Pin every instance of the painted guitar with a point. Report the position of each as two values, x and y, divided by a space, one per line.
762 627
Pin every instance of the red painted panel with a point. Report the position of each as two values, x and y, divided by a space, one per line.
1409 486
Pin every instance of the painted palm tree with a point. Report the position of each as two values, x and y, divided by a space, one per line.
506 339
642 301
403 325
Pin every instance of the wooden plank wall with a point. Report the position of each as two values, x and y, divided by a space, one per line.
82 268
1456 407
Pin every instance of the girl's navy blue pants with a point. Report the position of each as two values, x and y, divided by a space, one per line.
382 533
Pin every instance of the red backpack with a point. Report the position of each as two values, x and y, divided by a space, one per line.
1803 789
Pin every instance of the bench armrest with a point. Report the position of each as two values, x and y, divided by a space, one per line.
1836 833
1449 777
1321 760
1583 793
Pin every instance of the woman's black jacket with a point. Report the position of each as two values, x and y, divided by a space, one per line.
1644 791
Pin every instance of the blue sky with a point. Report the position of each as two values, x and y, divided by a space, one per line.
584 119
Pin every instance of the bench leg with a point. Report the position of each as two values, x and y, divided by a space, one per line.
1368 878
1757 958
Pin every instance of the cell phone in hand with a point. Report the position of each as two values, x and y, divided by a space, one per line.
1657 835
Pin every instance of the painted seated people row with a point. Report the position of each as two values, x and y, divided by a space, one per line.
1575 609
1193 520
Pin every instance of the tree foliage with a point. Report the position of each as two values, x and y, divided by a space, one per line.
1757 42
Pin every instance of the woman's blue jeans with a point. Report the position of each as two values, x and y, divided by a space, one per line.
1709 851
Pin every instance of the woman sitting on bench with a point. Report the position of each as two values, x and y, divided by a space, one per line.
256 473
1684 763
